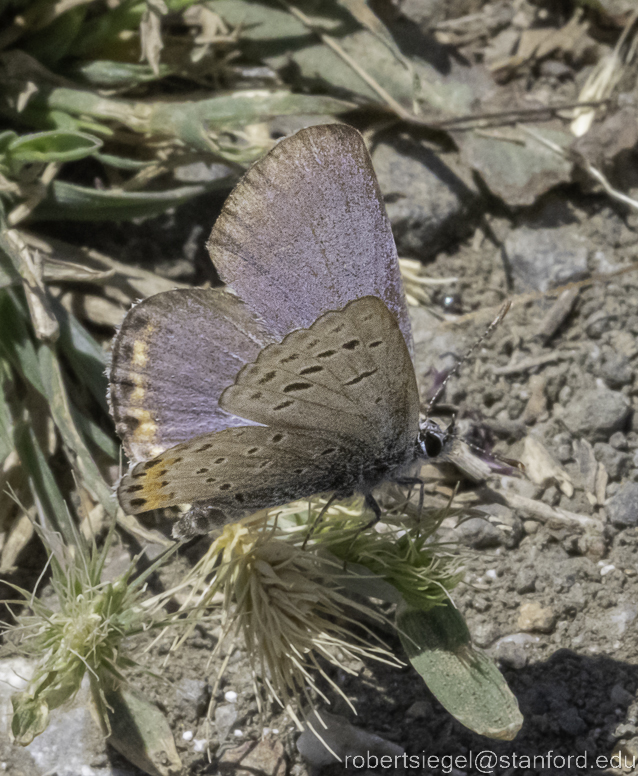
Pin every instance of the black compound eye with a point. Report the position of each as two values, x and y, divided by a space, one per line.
433 444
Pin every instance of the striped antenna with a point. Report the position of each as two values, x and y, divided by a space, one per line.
502 313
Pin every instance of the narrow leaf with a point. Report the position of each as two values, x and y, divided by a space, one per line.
55 146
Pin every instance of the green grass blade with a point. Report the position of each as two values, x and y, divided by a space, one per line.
86 358
42 483
67 201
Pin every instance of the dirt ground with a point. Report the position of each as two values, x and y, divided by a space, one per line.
554 604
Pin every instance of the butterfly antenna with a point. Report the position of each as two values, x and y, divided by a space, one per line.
502 313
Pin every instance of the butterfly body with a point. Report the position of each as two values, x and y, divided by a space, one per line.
305 384
340 412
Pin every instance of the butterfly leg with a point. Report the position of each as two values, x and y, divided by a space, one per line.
319 519
372 504
411 482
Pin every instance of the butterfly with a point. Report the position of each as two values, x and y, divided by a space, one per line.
298 378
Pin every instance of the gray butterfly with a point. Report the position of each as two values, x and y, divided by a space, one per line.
305 385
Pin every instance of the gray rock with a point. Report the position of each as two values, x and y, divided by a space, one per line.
225 717
193 694
622 509
419 710
621 696
596 414
571 722
479 533
525 580
343 739
513 650
619 441
427 202
616 370
616 462
542 258
485 633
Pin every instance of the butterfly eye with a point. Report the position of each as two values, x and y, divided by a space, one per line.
431 440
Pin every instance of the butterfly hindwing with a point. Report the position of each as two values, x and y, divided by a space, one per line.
349 374
241 470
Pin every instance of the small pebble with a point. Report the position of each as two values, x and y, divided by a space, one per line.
534 617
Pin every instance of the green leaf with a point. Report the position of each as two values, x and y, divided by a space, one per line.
16 342
6 419
464 680
139 731
115 75
80 457
278 38
55 146
94 433
44 488
51 43
66 201
30 718
83 353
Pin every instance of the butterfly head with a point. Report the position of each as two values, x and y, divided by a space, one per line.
431 439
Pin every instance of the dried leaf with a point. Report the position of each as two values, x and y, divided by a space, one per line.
150 33
515 166
543 469
45 324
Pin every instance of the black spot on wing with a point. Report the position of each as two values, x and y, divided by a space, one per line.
361 377
267 378
201 449
351 344
283 405
326 354
137 502
293 387
311 370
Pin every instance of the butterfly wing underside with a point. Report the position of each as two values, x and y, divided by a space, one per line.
305 231
335 399
172 358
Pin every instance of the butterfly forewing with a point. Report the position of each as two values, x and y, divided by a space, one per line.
350 373
172 358
305 231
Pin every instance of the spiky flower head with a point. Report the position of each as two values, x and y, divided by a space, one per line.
289 597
